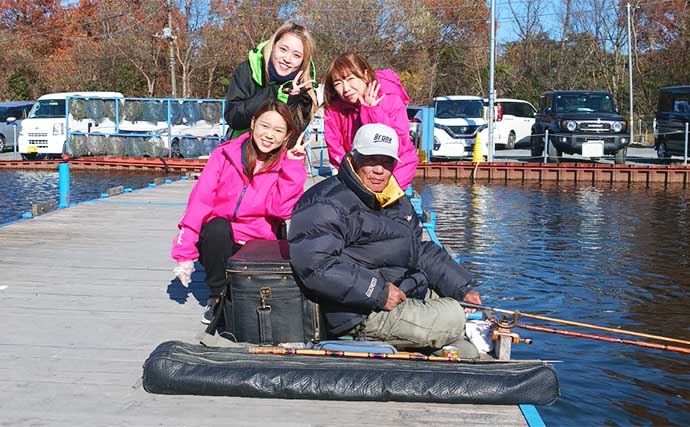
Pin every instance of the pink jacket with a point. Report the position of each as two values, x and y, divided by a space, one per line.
223 190
342 119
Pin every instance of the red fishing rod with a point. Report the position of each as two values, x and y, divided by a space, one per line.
517 314
603 338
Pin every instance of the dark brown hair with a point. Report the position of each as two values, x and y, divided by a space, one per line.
341 67
253 153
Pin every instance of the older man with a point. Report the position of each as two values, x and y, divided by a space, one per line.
356 248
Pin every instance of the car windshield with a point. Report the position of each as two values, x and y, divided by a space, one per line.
462 108
48 109
584 103
5 112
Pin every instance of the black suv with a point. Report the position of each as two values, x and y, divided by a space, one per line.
579 122
672 113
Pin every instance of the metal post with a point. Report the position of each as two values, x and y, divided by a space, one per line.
492 95
630 75
428 131
117 115
63 184
169 35
546 146
14 133
67 149
685 158
170 138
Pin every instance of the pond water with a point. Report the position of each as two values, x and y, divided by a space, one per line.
617 257
19 189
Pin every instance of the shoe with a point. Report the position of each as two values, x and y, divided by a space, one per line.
210 310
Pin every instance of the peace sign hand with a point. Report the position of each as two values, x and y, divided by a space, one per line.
371 95
299 151
296 86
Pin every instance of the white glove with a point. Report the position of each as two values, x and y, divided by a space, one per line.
183 270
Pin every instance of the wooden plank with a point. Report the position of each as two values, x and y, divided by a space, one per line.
91 293
44 404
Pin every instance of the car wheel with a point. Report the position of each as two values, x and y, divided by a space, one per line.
29 156
534 149
662 152
175 149
554 154
2 143
620 155
511 141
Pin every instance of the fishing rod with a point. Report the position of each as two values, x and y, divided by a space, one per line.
417 357
571 323
607 339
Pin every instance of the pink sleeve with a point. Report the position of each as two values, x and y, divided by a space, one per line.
334 137
288 189
199 207
391 111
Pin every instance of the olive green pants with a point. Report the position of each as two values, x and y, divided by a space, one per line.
431 323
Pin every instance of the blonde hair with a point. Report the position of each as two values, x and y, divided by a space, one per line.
309 47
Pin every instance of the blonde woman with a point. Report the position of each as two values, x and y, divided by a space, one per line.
279 68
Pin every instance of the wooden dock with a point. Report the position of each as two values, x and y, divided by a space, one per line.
86 293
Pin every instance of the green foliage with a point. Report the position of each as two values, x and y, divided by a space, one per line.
20 85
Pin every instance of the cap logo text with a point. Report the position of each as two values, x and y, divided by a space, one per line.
383 138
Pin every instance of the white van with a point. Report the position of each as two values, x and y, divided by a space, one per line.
457 121
513 122
44 132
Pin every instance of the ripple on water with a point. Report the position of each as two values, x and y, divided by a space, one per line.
616 257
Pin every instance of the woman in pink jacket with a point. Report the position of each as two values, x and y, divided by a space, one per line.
354 95
247 188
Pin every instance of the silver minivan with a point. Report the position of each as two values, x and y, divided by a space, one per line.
9 129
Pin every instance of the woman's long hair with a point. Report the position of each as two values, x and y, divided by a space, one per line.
252 152
306 67
342 66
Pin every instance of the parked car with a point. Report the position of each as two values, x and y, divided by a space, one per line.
458 119
512 124
12 114
414 115
672 113
181 128
579 122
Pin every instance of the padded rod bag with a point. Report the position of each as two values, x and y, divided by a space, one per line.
264 304
179 368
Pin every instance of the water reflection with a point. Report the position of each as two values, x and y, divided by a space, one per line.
616 256
19 189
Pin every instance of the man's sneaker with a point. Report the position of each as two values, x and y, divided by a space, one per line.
210 309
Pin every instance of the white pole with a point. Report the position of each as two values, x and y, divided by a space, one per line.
630 75
492 59
685 157
14 134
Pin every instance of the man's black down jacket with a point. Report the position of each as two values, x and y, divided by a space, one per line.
344 248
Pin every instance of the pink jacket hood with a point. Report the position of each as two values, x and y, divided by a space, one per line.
391 85
254 209
342 119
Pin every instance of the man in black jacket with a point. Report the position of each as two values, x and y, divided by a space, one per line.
356 248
